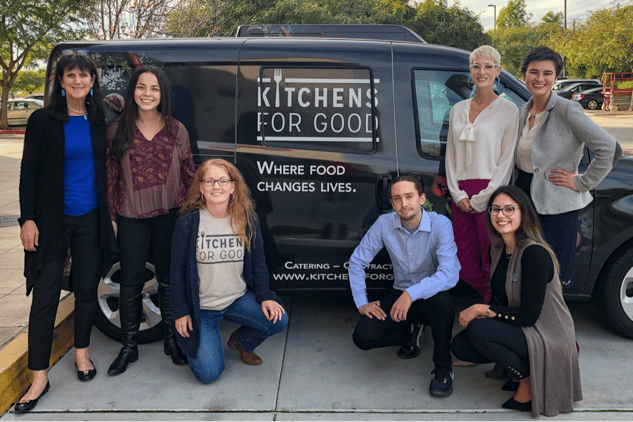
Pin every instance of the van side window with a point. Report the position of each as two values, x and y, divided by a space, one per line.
436 92
331 109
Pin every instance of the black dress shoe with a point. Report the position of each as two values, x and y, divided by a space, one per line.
516 405
86 375
511 385
412 349
28 405
126 355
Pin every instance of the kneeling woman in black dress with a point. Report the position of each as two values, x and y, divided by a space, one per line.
527 329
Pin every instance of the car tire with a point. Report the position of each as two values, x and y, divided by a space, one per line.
107 318
614 293
592 104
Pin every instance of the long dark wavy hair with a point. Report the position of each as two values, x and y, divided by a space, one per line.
530 228
127 120
57 106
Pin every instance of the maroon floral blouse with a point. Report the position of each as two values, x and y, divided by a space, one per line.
153 177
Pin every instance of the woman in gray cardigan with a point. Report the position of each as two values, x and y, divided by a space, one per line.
527 329
552 134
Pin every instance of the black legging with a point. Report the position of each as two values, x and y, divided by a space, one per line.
487 340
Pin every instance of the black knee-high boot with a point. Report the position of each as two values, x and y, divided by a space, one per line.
170 345
130 312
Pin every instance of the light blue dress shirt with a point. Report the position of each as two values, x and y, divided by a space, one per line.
424 262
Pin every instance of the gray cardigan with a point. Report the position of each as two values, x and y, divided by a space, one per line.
559 145
554 367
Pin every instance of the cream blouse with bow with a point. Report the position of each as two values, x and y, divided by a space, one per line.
483 149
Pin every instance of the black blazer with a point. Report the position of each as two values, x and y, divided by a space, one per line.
42 191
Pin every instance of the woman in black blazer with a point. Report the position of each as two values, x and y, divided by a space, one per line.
63 206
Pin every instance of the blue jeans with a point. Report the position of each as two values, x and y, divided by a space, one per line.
208 365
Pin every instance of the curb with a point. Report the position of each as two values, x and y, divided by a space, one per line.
12 132
15 378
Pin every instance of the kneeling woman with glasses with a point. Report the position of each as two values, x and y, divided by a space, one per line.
218 271
527 329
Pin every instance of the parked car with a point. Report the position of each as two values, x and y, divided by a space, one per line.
562 83
19 110
36 97
570 90
319 127
591 98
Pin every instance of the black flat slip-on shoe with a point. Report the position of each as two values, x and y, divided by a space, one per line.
86 375
516 405
28 405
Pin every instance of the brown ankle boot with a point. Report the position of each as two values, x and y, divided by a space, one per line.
247 358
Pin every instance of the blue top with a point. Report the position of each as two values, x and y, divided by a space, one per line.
80 183
424 262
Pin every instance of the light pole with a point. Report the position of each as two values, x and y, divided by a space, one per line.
495 8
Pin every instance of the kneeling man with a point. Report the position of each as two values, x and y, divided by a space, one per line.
425 267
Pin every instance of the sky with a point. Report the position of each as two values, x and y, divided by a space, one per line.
576 9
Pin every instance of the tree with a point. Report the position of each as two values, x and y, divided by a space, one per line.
603 42
29 81
513 15
117 19
439 23
28 30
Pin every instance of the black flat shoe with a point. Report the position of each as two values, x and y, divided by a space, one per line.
86 375
126 355
515 405
28 405
511 385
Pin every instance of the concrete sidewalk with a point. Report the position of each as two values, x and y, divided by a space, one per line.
313 371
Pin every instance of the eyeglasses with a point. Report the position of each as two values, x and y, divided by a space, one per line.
221 182
508 210
487 67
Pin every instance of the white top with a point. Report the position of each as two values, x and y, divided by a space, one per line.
220 259
483 149
524 148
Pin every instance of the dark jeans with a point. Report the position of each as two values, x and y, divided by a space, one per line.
83 237
437 311
135 237
560 231
487 340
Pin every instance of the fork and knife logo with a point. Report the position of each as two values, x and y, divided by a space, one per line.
277 77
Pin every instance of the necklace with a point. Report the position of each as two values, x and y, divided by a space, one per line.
85 114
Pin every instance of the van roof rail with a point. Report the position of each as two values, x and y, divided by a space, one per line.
363 31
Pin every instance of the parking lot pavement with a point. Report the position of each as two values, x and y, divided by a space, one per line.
313 371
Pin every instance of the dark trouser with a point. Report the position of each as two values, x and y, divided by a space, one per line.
135 238
488 340
83 238
437 311
560 231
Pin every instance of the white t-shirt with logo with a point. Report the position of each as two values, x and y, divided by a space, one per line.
220 260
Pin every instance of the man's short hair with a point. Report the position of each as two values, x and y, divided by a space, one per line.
408 178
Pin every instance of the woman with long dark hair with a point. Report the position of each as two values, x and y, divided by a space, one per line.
219 272
63 206
527 328
150 167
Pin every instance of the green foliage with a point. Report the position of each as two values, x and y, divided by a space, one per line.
604 42
513 15
624 85
439 23
28 30
434 20
28 82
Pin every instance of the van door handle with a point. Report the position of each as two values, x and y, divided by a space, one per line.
382 191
